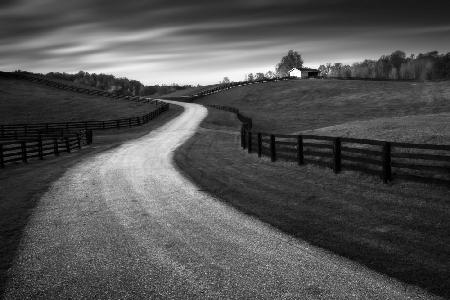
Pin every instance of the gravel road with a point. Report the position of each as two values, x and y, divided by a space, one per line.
126 224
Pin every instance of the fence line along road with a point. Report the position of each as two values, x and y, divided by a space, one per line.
223 87
427 163
41 79
26 149
8 131
22 142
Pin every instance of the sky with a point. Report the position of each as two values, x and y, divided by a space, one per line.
202 41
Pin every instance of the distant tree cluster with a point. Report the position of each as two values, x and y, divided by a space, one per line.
396 66
292 60
113 84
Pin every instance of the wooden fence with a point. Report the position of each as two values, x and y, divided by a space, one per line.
227 86
22 142
16 131
68 87
38 148
221 88
389 160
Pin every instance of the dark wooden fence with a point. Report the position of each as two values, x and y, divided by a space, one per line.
16 131
389 160
227 86
42 146
22 142
68 87
221 88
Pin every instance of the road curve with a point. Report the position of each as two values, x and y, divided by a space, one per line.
126 224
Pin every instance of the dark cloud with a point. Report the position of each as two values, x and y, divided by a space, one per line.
164 40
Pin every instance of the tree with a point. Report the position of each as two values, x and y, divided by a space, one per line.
250 77
225 80
270 75
259 76
292 60
323 71
397 59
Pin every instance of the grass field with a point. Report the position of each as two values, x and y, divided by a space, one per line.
23 184
25 102
298 105
400 230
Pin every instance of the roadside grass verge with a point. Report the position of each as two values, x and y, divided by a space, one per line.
22 101
400 230
21 186
296 105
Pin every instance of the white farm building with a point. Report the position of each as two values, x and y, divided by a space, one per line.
304 73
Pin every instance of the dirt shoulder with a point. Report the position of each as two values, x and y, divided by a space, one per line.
400 230
22 185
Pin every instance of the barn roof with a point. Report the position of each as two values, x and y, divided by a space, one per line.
305 69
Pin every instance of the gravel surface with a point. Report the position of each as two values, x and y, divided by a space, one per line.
126 224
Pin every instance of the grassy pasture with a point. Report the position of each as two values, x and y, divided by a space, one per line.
294 106
25 102
400 230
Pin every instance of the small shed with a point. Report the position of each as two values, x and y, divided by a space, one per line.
304 73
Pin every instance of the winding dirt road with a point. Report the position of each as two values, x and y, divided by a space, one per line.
127 224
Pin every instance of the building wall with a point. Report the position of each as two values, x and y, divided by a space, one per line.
295 73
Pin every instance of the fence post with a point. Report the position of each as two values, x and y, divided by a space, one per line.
273 154
89 137
2 161
79 140
24 151
337 155
103 124
129 122
249 147
3 130
387 171
67 144
117 124
244 140
55 146
40 151
300 157
138 121
259 144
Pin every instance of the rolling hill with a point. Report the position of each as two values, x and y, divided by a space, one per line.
25 102
299 105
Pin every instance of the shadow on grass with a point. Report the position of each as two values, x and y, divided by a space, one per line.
22 185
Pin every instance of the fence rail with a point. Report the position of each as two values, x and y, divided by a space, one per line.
69 87
223 87
427 163
38 148
21 142
16 131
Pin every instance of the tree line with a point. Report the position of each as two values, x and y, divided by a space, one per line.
396 66
293 59
111 83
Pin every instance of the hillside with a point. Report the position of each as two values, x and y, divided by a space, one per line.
189 91
293 106
25 102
